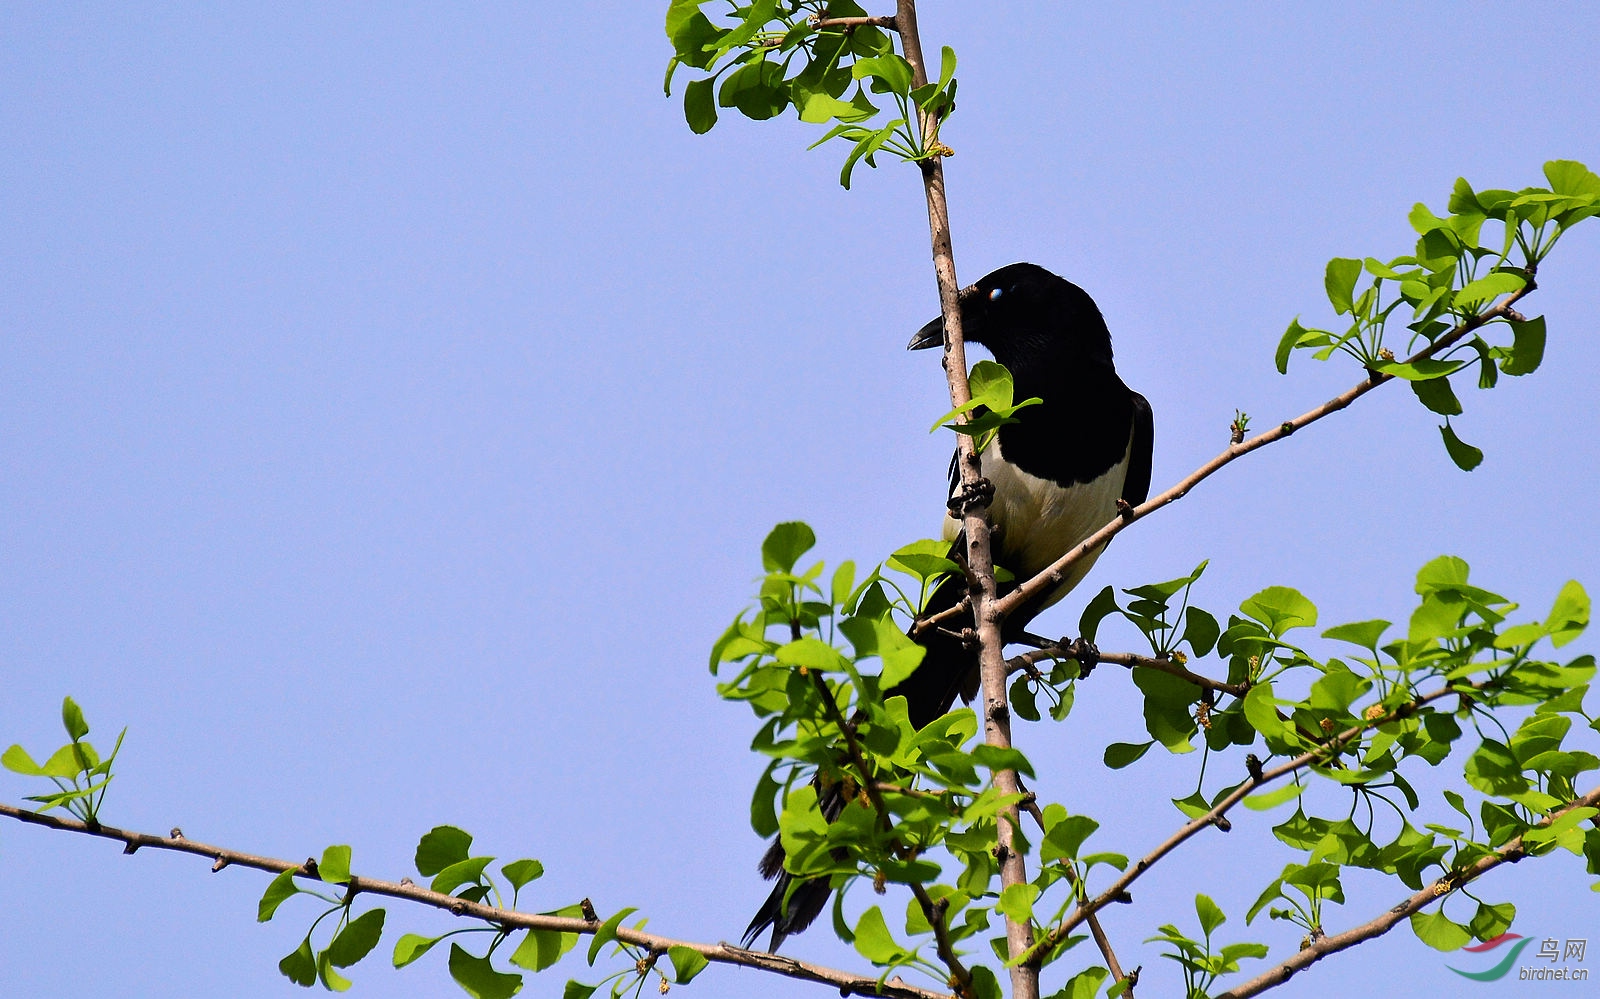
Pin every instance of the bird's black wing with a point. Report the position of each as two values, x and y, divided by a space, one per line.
948 668
1136 487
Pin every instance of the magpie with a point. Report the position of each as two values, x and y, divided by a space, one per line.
1058 475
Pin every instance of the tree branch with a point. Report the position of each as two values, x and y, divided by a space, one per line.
1057 571
1100 939
986 610
1216 816
722 953
852 23
1055 651
1320 948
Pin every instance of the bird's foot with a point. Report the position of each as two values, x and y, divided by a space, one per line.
1086 652
978 492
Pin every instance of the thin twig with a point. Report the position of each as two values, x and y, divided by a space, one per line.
909 792
922 624
1216 816
510 919
933 911
1100 939
1020 663
852 23
1321 947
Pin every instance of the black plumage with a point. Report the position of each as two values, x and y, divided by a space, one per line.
1057 477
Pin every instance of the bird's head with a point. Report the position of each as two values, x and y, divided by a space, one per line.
1023 310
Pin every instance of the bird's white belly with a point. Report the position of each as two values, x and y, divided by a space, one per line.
1039 521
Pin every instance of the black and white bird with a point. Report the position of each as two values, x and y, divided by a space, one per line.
1058 475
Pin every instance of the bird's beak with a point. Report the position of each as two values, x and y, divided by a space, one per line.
932 335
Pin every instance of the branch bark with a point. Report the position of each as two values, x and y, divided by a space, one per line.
1217 815
722 953
987 612
1320 948
1130 660
852 23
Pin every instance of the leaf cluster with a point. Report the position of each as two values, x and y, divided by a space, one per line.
769 56
77 770
1449 283
1355 721
1451 678
991 405
353 936
1170 701
444 857
913 806
1201 966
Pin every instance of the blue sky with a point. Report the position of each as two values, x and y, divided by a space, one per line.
392 405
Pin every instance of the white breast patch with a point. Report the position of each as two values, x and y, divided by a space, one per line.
1040 521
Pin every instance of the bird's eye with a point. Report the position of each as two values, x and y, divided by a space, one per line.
994 296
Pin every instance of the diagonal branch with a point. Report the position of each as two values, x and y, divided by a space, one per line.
852 23
1051 576
1217 815
1320 948
508 919
1100 939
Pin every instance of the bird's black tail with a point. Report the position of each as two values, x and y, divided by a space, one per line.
809 896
